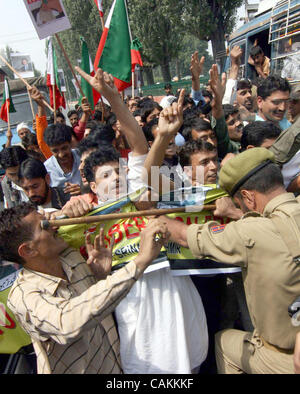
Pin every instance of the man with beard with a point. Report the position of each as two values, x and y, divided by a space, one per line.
35 182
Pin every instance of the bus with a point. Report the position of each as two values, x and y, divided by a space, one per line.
276 29
22 103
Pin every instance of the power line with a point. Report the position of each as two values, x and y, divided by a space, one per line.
16 41
16 34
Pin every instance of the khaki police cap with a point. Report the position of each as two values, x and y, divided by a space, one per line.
240 168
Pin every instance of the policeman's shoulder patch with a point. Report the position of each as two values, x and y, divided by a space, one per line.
217 229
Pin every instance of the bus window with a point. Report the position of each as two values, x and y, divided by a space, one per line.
260 39
285 39
286 60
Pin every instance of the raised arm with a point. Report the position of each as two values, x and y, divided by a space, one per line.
104 84
41 121
170 121
86 113
196 69
235 56
218 89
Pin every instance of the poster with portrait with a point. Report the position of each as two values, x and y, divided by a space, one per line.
22 63
48 17
62 80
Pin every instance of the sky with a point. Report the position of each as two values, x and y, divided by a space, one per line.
18 32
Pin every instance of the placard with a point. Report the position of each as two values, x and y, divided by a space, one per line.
22 63
62 80
48 17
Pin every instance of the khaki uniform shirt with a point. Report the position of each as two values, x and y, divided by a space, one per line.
271 276
70 322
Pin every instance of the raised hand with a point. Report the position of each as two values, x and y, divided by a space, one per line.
99 257
36 95
86 108
217 86
196 65
235 54
171 118
102 82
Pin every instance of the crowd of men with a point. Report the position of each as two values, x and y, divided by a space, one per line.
85 317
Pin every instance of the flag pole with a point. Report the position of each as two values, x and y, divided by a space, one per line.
54 102
45 224
8 133
31 105
132 78
69 63
102 23
22 79
8 119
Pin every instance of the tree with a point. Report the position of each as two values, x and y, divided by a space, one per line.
85 22
157 24
210 20
5 53
190 44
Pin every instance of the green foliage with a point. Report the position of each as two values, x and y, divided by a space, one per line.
85 22
157 24
203 17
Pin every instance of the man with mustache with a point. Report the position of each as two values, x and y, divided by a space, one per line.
272 101
35 182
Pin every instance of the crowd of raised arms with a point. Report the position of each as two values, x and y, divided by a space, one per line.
104 302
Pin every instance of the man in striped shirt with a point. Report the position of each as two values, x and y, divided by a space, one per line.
64 302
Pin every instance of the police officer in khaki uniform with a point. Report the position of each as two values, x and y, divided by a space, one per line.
266 244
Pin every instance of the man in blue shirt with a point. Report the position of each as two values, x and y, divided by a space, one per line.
272 100
63 166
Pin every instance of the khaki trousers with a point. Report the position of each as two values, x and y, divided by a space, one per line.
239 352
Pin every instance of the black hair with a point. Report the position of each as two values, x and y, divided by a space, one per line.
29 139
31 169
35 155
271 84
255 50
98 137
194 123
206 108
103 133
111 119
97 115
57 134
12 156
146 111
137 112
147 129
192 147
14 232
91 124
229 109
255 133
98 158
168 86
207 93
58 115
72 112
243 84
